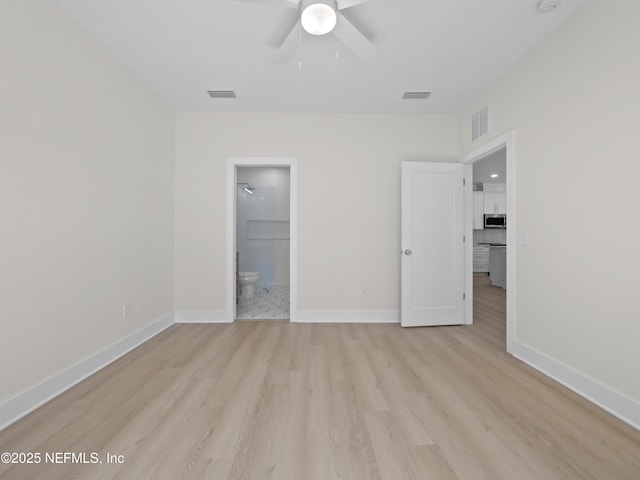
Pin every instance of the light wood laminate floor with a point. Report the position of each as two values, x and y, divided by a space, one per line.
273 400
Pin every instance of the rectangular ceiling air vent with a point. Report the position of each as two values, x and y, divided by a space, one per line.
480 123
222 93
416 95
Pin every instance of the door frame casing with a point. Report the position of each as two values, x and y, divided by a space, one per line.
230 264
506 141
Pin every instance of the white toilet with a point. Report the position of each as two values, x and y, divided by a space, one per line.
247 280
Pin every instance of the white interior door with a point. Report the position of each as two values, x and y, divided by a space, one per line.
432 233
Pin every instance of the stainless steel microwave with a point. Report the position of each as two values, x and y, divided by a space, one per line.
495 221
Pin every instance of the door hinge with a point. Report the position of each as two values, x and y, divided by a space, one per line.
464 181
464 296
464 238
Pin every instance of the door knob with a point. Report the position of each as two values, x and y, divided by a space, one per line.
407 252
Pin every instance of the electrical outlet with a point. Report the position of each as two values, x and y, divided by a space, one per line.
364 292
126 311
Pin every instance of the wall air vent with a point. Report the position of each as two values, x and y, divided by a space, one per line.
416 95
222 93
480 123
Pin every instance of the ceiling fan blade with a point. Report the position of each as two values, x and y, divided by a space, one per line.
289 46
354 40
342 4
284 3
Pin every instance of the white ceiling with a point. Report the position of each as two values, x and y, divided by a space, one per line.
496 163
453 48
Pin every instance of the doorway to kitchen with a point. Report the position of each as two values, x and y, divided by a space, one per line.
261 239
495 292
489 247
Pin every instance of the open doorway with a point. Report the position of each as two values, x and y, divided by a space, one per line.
262 243
490 247
261 251
506 145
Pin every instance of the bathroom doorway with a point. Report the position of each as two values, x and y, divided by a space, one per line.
262 284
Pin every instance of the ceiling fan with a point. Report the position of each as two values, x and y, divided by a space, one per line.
320 17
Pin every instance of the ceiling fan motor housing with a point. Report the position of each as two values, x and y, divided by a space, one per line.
318 17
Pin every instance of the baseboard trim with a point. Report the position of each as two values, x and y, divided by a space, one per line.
618 404
201 316
347 316
25 402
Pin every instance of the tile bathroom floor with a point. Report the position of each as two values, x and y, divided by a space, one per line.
268 303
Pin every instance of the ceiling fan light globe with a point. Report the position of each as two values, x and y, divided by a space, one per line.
318 18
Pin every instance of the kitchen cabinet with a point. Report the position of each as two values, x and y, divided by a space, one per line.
495 198
480 258
478 210
498 266
495 203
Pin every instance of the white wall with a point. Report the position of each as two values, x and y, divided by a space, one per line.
349 199
574 105
86 193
